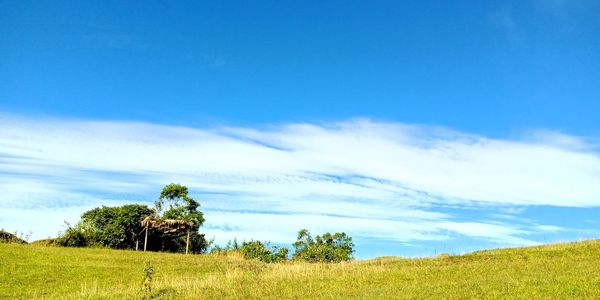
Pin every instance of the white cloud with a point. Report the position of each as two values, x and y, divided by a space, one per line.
373 179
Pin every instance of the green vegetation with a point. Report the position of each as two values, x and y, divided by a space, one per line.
180 205
173 227
176 204
326 248
113 227
120 227
147 282
263 252
7 237
551 272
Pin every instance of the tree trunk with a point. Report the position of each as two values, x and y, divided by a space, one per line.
187 242
146 239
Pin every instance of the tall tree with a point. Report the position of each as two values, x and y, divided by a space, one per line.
175 203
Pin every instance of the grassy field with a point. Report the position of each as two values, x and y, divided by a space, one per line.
557 271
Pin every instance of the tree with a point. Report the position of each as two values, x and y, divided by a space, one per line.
180 205
175 203
328 247
114 227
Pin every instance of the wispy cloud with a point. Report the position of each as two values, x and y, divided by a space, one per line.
375 180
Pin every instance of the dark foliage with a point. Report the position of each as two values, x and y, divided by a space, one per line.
168 242
115 227
7 237
112 227
74 237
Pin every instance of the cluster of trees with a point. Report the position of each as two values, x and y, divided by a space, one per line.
113 227
121 228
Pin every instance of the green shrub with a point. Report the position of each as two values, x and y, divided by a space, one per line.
147 280
74 237
263 252
325 248
114 227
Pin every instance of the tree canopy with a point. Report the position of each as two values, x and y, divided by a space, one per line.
175 203
114 227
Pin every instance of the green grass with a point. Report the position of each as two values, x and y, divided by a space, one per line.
559 271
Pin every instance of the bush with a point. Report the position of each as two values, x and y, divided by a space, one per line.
114 227
325 248
74 237
263 252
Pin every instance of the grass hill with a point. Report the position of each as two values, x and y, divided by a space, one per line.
559 271
7 237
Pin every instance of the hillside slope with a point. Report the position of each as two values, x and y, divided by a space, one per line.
7 237
559 271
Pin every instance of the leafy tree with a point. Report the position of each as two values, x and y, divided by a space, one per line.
180 205
113 227
328 247
175 203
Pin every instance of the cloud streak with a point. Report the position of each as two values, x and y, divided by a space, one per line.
375 180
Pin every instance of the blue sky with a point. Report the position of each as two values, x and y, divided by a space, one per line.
417 128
